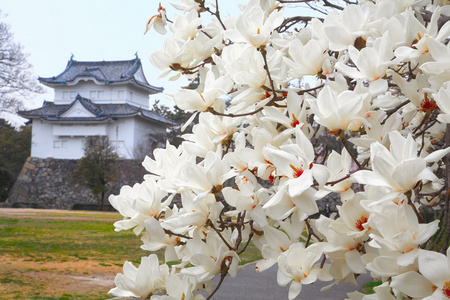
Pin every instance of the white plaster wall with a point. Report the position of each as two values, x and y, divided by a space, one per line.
120 134
41 139
45 144
68 147
101 94
66 142
71 130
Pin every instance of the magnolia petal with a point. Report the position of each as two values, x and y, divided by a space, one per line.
348 71
378 87
294 289
444 118
282 279
408 258
311 278
304 144
437 155
320 174
435 67
354 262
412 284
371 178
434 266
405 171
339 38
277 237
426 231
264 264
298 185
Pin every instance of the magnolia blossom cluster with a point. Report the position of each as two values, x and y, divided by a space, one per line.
355 102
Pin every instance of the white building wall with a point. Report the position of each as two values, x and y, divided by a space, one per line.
68 147
66 141
101 94
72 130
46 144
120 134
41 139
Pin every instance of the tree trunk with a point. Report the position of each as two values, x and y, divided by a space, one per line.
102 201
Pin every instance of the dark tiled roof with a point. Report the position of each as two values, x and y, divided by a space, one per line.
108 72
103 112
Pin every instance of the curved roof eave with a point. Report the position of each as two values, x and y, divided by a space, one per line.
116 72
77 120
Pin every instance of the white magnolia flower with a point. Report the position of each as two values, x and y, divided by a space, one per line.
179 286
277 241
171 58
139 203
158 21
201 101
341 30
306 59
185 27
209 257
298 266
154 238
397 229
143 281
253 27
339 111
433 282
398 168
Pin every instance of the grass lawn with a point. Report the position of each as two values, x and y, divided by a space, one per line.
66 255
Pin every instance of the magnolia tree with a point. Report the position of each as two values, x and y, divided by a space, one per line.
276 90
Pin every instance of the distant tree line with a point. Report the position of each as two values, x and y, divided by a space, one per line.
15 147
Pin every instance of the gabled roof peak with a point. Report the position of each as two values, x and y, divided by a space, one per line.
103 72
101 112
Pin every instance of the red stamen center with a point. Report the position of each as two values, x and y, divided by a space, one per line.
360 222
297 171
446 289
427 104
295 121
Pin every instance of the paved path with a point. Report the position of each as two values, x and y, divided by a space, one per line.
248 285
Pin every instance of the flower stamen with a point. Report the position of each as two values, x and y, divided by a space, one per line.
359 223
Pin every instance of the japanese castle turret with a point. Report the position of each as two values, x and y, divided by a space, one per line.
96 98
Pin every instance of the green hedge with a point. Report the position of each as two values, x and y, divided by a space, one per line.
92 206
27 205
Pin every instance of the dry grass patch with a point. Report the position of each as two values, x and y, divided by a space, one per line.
48 254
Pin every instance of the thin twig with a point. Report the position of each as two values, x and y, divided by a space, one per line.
344 142
223 274
393 110
169 232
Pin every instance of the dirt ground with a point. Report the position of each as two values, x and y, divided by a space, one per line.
56 280
52 279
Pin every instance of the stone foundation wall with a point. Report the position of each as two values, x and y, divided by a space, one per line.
49 183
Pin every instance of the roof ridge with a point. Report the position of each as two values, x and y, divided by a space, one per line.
116 71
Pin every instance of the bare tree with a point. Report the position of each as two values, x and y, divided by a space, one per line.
16 80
